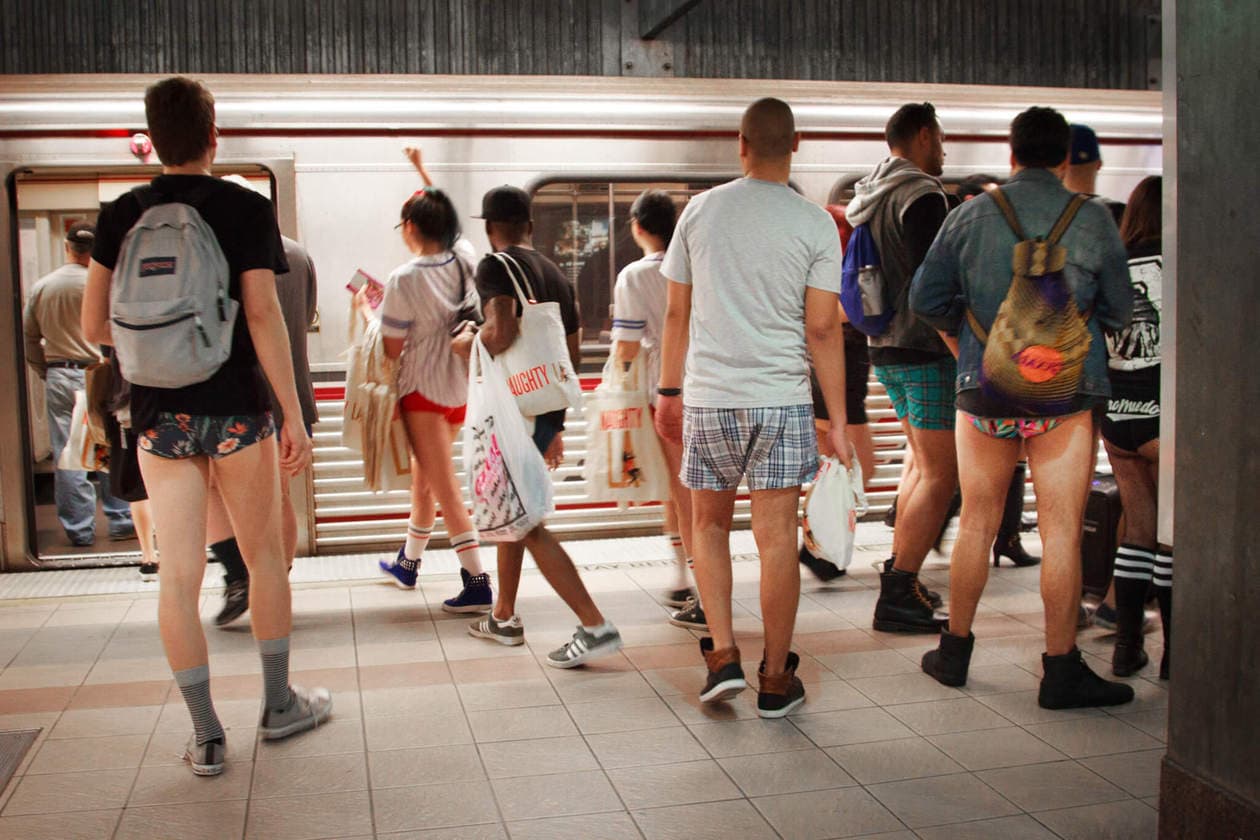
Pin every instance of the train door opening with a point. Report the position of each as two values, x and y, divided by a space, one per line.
45 203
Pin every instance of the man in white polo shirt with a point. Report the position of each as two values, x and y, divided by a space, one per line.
754 270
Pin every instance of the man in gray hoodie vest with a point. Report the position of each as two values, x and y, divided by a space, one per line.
904 204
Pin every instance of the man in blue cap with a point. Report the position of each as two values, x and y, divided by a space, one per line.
1084 161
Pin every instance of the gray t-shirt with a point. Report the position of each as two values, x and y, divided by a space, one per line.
748 249
298 301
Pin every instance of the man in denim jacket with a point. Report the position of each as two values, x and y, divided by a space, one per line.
969 266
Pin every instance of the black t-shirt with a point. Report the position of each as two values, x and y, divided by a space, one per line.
245 226
545 279
920 224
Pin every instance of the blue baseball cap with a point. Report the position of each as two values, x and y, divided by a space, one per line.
1084 145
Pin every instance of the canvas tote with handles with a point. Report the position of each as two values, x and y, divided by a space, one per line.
540 374
624 462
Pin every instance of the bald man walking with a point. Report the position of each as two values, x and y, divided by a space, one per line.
754 270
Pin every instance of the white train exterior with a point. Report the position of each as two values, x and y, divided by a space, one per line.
331 146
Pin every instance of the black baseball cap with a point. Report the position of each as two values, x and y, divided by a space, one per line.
81 233
1084 145
505 204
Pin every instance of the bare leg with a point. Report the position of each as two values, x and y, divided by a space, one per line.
907 484
178 498
431 438
984 465
511 556
423 507
142 516
1061 461
711 512
680 496
557 567
1139 493
774 514
919 515
288 527
248 481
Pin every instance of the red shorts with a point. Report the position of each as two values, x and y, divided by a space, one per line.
416 401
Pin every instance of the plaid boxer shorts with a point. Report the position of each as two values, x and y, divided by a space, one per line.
922 393
774 447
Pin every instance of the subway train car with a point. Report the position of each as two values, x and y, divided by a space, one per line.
328 150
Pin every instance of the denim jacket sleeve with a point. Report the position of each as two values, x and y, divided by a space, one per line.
1113 306
936 290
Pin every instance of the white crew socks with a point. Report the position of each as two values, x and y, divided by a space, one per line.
468 550
417 538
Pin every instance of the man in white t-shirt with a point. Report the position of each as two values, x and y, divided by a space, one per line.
754 271
638 320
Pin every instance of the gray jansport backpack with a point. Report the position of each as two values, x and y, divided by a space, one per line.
172 317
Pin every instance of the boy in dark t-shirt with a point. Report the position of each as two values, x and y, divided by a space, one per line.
220 428
506 211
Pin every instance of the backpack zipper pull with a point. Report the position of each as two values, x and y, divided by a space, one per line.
201 330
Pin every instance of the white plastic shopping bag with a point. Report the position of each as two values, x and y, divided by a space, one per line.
507 478
832 505
81 451
537 367
624 461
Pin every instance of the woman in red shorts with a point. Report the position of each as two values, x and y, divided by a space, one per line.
423 326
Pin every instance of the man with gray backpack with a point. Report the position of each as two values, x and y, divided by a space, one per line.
182 283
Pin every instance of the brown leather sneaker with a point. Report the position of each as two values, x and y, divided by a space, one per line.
726 677
781 693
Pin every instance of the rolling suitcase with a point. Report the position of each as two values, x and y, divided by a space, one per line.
1101 537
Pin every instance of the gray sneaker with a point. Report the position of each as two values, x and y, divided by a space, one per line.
510 632
206 759
307 709
584 646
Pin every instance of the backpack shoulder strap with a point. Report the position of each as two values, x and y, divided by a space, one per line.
974 323
1065 218
999 198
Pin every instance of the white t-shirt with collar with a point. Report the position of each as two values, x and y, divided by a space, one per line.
749 249
639 301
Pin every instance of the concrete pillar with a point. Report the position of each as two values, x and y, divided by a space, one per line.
1211 778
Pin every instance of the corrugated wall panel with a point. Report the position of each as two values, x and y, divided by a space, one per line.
1069 43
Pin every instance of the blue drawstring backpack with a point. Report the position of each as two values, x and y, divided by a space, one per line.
862 292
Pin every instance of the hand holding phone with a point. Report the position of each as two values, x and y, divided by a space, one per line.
375 288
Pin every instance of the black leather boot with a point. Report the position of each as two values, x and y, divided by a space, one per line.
1007 543
1070 684
1129 656
934 598
902 607
948 663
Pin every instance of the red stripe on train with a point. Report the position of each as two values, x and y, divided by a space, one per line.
336 393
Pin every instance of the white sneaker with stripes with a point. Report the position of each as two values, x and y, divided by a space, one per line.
585 646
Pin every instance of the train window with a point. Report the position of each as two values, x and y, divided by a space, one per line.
583 225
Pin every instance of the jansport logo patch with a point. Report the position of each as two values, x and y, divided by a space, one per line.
156 266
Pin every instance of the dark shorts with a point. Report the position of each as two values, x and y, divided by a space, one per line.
125 480
922 394
546 427
857 375
1132 418
179 436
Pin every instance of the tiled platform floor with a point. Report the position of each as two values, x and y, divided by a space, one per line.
438 735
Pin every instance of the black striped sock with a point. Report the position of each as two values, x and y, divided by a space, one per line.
275 663
1134 562
1163 569
194 684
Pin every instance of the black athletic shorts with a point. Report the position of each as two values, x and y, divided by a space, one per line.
857 375
1132 418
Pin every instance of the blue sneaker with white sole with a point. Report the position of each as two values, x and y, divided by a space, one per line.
403 577
476 597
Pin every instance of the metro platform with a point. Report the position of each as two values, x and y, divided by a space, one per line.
438 735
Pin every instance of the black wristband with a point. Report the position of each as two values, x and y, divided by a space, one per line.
669 392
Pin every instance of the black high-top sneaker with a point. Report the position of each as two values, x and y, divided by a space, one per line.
948 664
1070 684
778 695
903 606
934 598
726 677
